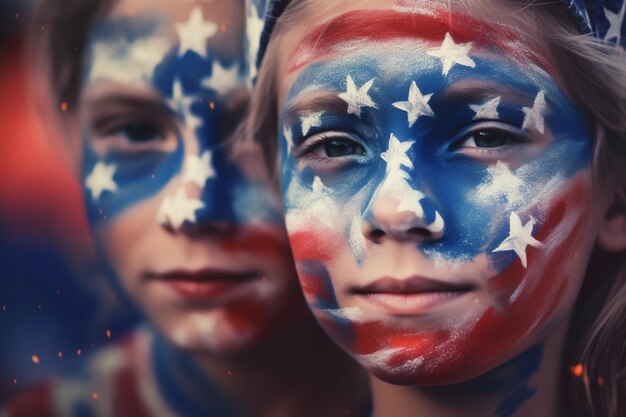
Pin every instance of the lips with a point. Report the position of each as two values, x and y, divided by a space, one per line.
410 296
205 285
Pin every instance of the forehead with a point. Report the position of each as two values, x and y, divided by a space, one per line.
142 33
356 29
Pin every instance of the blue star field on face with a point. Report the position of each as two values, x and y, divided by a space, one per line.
171 101
472 143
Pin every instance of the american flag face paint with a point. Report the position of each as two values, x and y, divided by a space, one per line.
179 205
437 190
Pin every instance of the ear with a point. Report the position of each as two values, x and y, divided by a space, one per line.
612 234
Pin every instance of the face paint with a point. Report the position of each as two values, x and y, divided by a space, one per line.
437 191
186 219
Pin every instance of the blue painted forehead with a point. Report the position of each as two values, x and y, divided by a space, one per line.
603 19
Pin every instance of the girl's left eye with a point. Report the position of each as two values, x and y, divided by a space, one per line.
337 148
487 139
489 143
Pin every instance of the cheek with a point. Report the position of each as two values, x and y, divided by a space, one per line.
325 237
523 304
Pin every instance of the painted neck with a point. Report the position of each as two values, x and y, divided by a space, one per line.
520 388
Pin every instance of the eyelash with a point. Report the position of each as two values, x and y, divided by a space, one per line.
512 135
311 144
115 131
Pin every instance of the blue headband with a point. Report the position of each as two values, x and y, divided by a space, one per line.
603 19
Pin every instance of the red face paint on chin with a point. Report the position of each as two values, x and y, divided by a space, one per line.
444 355
375 26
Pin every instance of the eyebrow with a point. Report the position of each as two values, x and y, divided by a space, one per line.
471 91
319 99
376 25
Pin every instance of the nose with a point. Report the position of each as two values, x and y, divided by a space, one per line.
399 212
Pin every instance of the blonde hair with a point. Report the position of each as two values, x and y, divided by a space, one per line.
594 76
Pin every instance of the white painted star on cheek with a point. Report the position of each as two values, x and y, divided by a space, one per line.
175 211
100 180
194 33
416 105
357 97
288 134
520 236
199 169
311 120
182 103
534 117
616 21
395 156
487 110
222 79
452 54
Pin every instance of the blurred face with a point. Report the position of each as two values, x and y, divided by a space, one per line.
437 188
185 218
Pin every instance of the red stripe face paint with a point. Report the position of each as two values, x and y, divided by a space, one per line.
346 32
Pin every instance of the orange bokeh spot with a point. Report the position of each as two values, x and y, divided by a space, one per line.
35 359
64 106
95 395
109 333
578 370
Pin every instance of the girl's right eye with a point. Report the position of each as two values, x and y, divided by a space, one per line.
328 151
141 132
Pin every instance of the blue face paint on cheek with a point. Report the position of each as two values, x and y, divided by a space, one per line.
409 107
118 181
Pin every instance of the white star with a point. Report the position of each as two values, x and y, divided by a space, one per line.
194 33
254 28
357 98
487 110
288 134
178 209
452 53
616 21
101 180
416 105
318 185
519 237
311 120
199 169
182 103
125 62
535 116
222 79
395 155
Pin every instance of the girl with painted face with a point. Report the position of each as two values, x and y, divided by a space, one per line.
448 169
153 97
